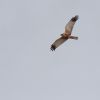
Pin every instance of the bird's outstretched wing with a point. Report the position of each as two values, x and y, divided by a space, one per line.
69 26
57 43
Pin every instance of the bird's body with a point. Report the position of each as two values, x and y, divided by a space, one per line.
67 34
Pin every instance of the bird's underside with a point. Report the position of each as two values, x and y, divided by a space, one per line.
66 35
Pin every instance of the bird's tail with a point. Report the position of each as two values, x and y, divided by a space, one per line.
73 37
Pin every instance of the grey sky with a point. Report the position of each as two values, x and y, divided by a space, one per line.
29 70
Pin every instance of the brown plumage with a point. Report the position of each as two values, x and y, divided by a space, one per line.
67 34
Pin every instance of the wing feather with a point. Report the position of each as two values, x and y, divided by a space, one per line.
57 43
70 25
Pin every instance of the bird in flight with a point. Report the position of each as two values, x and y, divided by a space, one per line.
67 34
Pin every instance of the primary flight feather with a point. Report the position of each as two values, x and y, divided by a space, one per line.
67 34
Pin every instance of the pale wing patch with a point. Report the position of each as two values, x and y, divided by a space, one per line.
59 41
69 27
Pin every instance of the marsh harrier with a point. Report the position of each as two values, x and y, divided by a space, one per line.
67 34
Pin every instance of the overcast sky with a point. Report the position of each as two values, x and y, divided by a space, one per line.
29 70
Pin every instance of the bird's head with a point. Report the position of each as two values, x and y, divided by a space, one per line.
61 34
